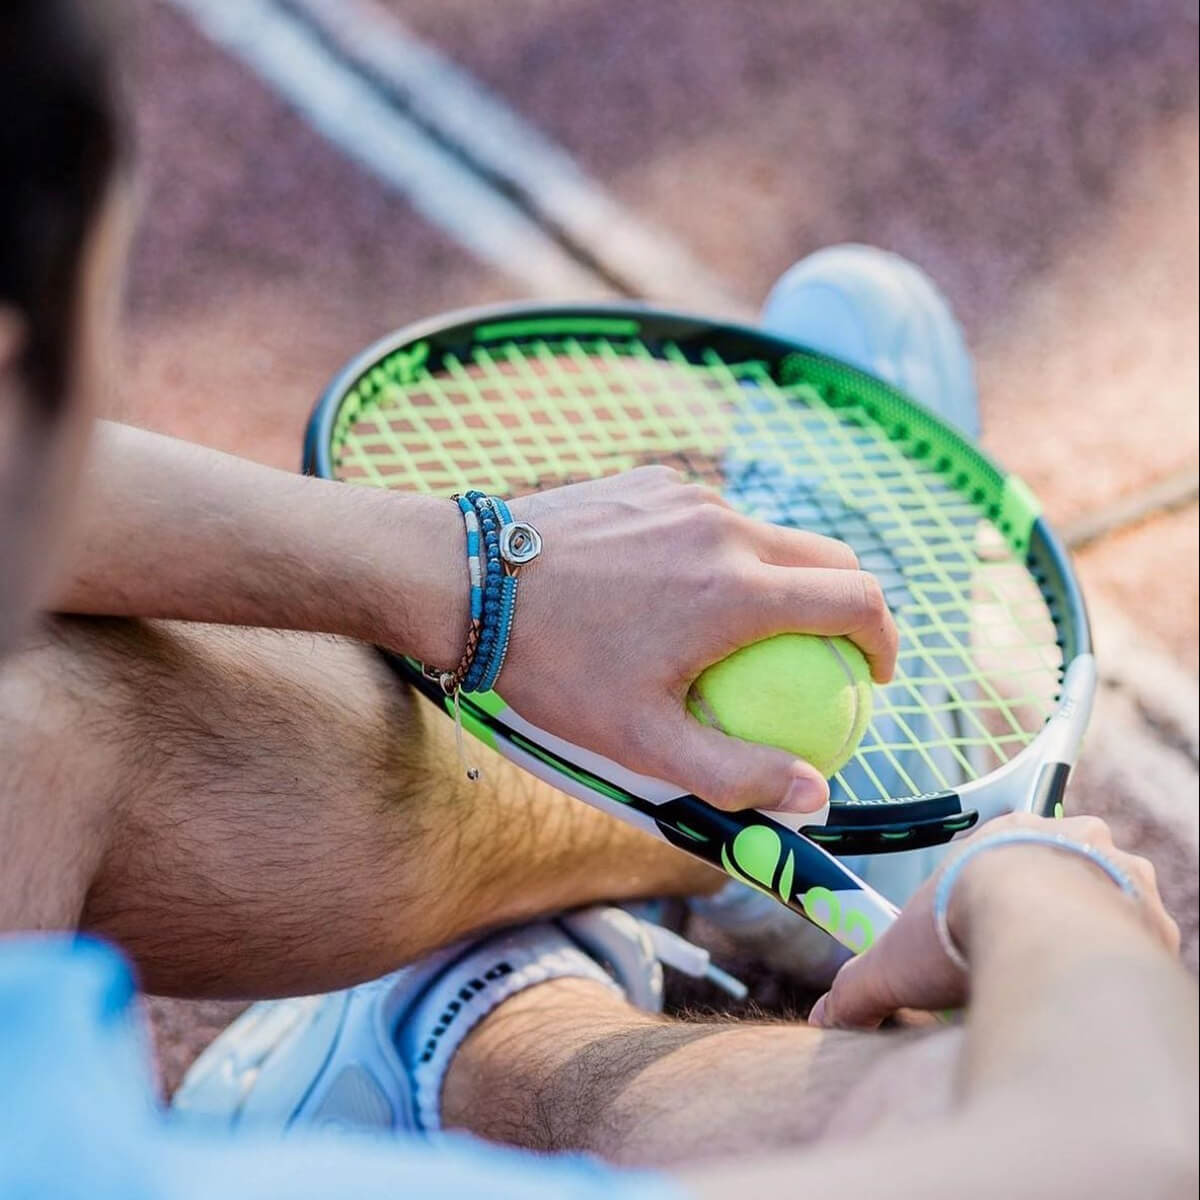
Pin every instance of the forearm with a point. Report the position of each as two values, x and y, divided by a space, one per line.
170 529
1080 1011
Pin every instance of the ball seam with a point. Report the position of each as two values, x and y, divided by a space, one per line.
853 683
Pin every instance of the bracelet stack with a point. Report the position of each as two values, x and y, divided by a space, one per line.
497 548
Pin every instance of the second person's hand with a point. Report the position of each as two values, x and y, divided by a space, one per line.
908 967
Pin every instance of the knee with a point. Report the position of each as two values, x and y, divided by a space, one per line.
57 772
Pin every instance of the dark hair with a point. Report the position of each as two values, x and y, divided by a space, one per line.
59 147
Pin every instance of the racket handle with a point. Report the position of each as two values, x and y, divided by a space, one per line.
757 850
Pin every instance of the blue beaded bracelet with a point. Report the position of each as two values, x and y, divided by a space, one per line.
1056 841
489 531
501 594
499 649
471 521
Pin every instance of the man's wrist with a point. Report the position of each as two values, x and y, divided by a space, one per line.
418 603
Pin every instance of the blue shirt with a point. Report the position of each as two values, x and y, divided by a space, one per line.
78 1116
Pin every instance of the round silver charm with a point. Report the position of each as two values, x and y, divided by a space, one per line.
519 543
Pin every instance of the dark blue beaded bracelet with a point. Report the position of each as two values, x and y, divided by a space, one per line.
494 659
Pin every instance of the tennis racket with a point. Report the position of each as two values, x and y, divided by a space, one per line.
995 675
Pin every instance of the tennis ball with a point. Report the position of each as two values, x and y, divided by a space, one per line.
806 694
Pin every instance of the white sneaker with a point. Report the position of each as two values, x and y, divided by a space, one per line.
374 1056
884 315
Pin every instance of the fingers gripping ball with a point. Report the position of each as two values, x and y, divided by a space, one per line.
806 694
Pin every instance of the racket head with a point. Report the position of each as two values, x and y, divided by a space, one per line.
511 399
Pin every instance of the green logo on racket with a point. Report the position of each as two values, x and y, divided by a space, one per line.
756 857
851 928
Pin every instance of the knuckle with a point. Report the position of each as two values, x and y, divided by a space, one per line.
697 494
1174 938
840 554
726 801
872 593
708 587
1142 869
869 598
1016 820
719 794
655 473
710 524
1094 830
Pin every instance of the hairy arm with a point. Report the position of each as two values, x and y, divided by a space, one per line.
1078 1076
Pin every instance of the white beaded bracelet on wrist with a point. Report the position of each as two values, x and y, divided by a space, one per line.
1056 841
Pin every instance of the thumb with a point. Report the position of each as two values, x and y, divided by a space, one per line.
732 774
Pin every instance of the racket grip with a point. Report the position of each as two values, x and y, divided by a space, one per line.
762 853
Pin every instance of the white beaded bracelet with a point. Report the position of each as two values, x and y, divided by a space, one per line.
1056 841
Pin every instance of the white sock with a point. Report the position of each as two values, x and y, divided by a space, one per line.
471 988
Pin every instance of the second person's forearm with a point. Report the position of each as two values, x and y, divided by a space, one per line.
1082 1003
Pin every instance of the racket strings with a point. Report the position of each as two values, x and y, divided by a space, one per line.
980 664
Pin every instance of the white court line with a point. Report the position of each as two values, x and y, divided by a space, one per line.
464 160
350 112
1133 663
641 261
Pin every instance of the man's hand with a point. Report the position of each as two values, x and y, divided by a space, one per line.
644 582
1021 884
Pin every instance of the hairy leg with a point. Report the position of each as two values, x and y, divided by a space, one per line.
647 1091
252 813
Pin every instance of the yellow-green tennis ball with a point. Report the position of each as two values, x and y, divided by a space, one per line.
806 694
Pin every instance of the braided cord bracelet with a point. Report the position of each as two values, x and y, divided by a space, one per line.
451 681
1056 841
